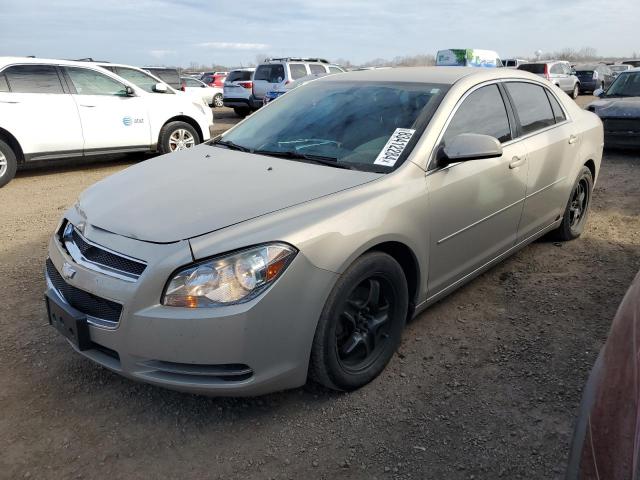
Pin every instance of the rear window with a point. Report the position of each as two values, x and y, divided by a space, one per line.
168 76
33 79
272 73
510 63
532 106
537 68
239 76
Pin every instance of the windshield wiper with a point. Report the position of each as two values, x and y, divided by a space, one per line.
231 146
319 159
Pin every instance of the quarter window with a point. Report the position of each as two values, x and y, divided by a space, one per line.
315 68
190 82
33 79
557 69
4 86
335 70
558 114
298 70
532 106
482 112
90 82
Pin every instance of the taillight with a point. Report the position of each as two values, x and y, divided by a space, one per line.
546 72
183 87
247 85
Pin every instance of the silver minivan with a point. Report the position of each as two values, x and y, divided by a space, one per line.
558 72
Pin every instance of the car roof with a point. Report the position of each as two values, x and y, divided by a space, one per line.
35 60
441 75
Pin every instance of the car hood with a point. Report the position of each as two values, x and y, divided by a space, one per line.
189 193
617 107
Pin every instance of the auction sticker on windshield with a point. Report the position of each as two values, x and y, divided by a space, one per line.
394 147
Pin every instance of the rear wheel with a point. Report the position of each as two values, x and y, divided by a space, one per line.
8 164
242 111
177 136
361 325
576 91
218 101
575 214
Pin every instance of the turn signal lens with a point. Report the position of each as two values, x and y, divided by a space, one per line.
230 279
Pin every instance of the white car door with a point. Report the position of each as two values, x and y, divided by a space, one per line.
39 113
111 119
199 90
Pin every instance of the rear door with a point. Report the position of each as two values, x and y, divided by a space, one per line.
551 144
111 120
266 77
475 206
39 112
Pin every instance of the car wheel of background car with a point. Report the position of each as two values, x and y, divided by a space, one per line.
361 324
177 136
576 91
8 164
242 112
218 101
575 214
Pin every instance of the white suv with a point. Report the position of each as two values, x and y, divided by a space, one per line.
56 108
276 71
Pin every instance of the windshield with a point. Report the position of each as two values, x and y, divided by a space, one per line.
626 85
349 123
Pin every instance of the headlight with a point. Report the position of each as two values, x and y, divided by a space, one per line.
228 279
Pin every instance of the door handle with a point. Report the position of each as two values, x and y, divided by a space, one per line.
88 106
572 139
516 162
9 101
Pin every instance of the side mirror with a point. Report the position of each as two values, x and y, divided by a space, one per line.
469 146
598 92
573 72
203 86
160 88
128 91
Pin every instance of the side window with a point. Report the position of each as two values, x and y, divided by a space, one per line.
558 114
298 70
4 86
532 106
90 82
481 112
556 69
335 70
272 73
315 68
33 79
190 82
138 78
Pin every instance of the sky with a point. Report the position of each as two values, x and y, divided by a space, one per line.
237 32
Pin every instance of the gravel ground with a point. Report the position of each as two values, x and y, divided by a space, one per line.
486 383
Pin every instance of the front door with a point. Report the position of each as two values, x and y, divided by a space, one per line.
475 206
111 120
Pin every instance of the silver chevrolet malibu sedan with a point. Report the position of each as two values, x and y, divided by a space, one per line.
299 243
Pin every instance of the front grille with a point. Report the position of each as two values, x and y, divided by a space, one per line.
85 302
622 125
105 258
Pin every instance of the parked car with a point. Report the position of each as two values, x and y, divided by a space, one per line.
617 69
214 79
284 70
283 88
633 62
606 439
212 96
557 72
468 57
238 89
139 77
170 76
87 110
301 240
513 62
593 77
619 109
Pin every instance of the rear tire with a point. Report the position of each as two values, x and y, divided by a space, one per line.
577 209
361 325
242 111
8 164
177 136
576 91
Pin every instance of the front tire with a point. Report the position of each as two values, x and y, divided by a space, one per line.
176 136
218 101
577 209
576 91
8 164
361 325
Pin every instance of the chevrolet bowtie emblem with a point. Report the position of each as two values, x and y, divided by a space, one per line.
67 271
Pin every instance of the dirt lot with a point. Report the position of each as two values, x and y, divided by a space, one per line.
486 384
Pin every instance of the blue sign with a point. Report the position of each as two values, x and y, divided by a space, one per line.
127 121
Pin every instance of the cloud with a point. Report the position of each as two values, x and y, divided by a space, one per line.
233 46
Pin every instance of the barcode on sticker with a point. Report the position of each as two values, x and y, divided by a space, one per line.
394 147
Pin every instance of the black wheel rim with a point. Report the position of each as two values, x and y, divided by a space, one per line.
364 324
579 203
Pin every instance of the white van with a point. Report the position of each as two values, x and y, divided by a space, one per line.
468 57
